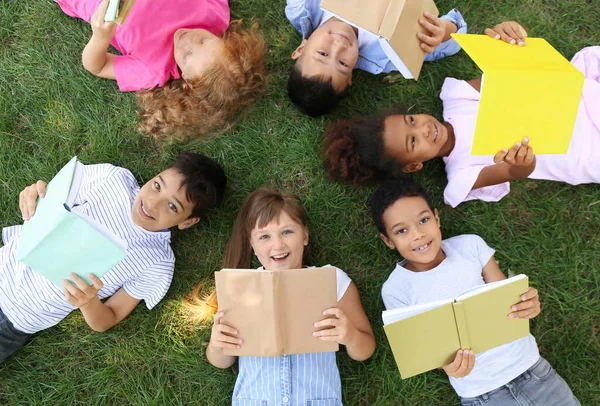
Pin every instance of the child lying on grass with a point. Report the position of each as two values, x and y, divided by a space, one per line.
371 148
177 196
194 71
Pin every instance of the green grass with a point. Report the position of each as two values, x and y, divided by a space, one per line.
51 109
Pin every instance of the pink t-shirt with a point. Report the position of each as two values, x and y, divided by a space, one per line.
146 39
581 164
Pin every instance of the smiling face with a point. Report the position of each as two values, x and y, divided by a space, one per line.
196 51
162 203
412 139
414 231
331 51
280 245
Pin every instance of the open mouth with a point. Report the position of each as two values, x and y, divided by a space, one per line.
435 132
144 213
423 247
280 257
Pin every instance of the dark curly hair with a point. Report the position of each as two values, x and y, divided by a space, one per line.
314 95
354 152
389 192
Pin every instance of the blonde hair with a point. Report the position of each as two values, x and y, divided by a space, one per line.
212 101
258 210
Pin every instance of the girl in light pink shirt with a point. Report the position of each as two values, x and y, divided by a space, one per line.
193 70
374 147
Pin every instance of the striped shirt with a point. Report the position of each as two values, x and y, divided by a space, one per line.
295 380
106 193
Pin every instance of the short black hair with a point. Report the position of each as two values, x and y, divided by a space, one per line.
312 95
203 178
389 192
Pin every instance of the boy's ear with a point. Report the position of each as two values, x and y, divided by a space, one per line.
305 237
298 51
188 223
387 241
412 168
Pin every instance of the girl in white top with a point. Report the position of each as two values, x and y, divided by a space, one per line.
273 226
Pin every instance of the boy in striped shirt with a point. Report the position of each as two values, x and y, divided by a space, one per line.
177 196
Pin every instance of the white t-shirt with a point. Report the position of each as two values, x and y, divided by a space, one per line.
579 165
466 255
106 193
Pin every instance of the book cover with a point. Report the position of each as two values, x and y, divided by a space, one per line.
275 312
56 241
427 336
529 91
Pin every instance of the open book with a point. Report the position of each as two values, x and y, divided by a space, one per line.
529 91
56 241
118 10
427 336
275 312
396 22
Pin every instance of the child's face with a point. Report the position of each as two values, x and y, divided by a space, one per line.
412 139
280 245
414 231
162 203
196 51
331 51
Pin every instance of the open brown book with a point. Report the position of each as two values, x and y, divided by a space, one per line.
275 312
396 22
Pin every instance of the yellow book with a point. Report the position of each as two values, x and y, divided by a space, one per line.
427 336
529 91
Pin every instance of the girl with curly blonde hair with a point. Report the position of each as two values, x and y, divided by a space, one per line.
192 69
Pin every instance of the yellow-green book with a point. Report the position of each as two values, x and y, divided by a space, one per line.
426 336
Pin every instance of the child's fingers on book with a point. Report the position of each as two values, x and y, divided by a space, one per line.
492 33
326 323
224 338
224 328
504 35
40 186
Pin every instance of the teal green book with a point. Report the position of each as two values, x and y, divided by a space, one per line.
56 241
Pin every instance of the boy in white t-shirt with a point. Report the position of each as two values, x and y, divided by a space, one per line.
177 196
436 269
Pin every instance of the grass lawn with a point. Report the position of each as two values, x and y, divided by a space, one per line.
52 109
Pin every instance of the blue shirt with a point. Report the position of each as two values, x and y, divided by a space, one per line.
306 16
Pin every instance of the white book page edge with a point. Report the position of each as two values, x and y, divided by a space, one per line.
488 286
75 184
390 53
401 313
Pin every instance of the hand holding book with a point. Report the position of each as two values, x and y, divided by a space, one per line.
79 293
28 198
529 307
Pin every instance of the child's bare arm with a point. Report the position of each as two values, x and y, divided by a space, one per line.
99 316
349 326
515 163
95 57
222 336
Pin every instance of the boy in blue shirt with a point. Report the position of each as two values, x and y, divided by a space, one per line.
177 196
435 269
331 49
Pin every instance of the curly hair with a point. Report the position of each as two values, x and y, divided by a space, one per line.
354 152
314 95
211 102
389 192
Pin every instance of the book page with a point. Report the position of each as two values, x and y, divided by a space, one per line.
248 300
488 286
303 296
102 229
400 313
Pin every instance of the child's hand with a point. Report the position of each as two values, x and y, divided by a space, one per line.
529 307
222 335
28 198
508 31
81 293
338 328
521 154
462 365
101 28
437 30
